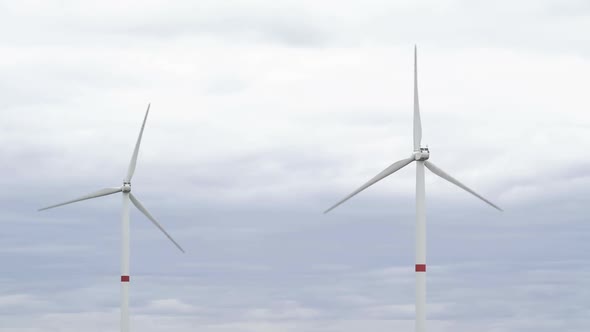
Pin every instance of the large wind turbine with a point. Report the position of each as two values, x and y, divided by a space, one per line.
125 189
420 156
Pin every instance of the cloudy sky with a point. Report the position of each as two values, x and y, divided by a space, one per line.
264 113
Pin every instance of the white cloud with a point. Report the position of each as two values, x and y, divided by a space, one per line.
262 116
172 306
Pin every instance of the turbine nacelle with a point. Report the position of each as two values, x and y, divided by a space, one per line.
421 155
126 188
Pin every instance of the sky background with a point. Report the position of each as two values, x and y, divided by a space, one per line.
264 114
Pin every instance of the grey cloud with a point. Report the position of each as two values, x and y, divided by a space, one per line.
530 24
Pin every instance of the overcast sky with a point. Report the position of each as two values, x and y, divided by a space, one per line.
265 113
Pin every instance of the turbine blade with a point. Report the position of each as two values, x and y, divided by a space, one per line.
417 120
152 219
456 182
102 192
386 172
133 162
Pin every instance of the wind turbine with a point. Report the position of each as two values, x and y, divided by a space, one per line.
125 189
420 156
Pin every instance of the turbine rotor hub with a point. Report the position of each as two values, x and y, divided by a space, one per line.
422 155
126 187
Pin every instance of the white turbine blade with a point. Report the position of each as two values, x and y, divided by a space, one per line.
153 220
417 121
386 172
133 162
102 192
456 182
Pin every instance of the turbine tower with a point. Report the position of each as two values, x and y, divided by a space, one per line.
125 189
420 156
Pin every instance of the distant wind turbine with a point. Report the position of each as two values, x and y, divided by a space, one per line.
125 189
420 156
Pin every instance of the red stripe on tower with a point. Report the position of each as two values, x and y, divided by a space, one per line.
124 278
420 267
